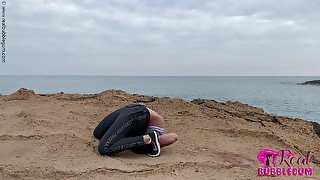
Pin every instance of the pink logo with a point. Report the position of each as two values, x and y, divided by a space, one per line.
271 161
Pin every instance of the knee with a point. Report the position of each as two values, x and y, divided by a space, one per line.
157 120
96 134
172 137
102 149
160 118
105 150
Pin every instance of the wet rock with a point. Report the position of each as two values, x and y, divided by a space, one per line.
313 82
316 128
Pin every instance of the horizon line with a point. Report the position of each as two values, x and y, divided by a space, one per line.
161 75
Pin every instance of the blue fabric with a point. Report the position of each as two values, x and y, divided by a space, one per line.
157 129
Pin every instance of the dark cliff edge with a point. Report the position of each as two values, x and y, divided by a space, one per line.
313 82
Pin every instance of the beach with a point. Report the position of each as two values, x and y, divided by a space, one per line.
49 136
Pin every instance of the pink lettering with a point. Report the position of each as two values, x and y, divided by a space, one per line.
300 159
268 159
308 158
279 171
284 172
289 171
260 172
308 171
267 171
294 171
276 171
273 171
291 160
301 171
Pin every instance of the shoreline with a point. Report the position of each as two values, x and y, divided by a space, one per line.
265 92
50 136
187 100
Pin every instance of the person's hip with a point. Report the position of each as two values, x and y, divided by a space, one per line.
141 116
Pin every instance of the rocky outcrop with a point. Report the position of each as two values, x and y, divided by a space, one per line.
313 82
49 136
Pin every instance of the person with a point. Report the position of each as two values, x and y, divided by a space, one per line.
134 127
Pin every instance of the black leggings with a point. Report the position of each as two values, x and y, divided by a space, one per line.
122 129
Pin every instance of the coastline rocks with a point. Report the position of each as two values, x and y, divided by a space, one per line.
316 128
215 139
313 82
22 94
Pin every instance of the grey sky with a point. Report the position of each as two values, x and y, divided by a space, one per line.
163 37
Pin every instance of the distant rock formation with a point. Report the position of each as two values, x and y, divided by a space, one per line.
313 82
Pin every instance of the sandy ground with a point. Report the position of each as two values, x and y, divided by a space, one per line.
50 137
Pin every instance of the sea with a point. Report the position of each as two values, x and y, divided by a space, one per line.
276 95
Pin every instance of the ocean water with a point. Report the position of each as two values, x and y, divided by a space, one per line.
276 95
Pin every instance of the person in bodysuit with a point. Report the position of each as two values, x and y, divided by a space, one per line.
133 127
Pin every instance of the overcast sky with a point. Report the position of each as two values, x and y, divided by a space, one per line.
162 37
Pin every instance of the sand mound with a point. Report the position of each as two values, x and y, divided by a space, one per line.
50 137
22 94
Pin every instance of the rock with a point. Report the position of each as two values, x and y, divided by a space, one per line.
24 91
314 82
316 128
22 94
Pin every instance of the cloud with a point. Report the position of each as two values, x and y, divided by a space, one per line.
161 34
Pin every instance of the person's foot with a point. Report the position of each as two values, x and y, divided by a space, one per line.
154 146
